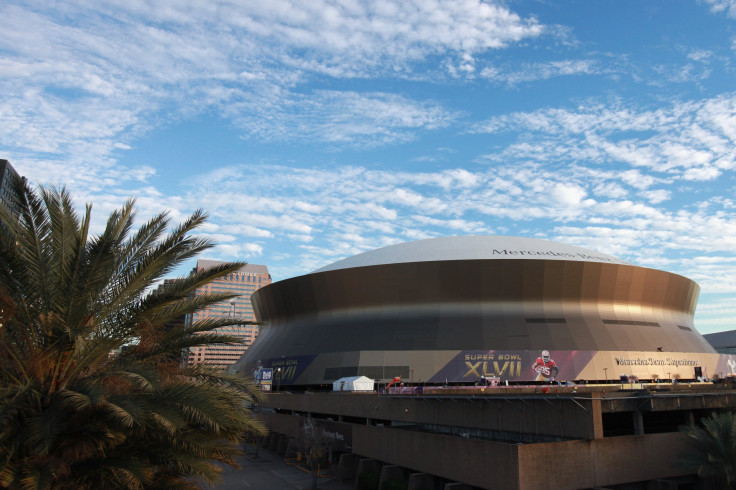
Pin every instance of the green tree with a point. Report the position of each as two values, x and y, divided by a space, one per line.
713 449
71 415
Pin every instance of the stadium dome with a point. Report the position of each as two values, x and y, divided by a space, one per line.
472 247
458 309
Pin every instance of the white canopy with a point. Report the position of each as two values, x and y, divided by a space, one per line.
353 383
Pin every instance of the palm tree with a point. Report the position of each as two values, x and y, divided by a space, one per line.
713 449
71 415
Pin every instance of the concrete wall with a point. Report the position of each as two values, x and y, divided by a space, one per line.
281 424
546 415
494 465
453 458
602 462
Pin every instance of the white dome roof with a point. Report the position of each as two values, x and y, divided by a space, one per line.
474 247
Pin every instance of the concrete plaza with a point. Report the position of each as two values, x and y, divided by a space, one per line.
269 471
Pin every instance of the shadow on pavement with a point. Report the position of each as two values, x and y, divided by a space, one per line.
268 471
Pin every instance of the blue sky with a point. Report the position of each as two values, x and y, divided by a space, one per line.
315 130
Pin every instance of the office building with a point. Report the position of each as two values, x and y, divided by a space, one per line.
180 321
246 281
7 193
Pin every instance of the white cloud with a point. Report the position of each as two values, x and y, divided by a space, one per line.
246 230
701 173
341 118
657 196
610 190
372 208
301 238
307 207
726 6
539 71
636 179
75 84
239 249
567 194
700 55
352 38
688 141
461 226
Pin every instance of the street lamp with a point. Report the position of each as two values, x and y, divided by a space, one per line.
278 379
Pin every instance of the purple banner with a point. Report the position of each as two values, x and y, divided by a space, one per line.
518 365
726 366
285 369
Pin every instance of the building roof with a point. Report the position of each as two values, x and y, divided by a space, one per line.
722 340
472 247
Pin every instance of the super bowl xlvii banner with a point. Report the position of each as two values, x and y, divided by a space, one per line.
281 371
517 365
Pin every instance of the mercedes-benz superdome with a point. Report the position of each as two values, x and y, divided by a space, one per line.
459 309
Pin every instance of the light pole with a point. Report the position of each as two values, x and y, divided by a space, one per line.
278 379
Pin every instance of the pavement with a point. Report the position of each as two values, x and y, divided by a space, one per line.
268 471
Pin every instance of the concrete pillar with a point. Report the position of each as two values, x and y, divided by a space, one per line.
291 448
391 472
597 418
347 466
273 441
457 486
421 481
281 445
638 423
367 466
662 485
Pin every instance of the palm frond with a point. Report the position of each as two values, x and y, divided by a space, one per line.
73 416
713 446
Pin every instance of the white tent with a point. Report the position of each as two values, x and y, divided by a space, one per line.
353 383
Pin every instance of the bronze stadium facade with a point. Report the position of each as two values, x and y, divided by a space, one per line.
459 309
